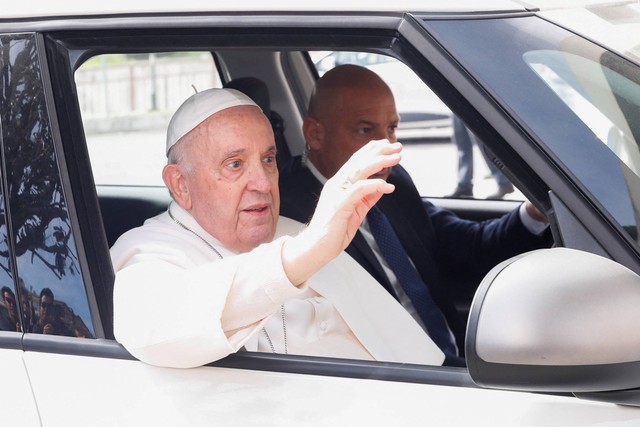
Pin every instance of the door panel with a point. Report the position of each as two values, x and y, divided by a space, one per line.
101 391
18 405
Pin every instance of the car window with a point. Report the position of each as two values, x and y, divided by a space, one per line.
437 164
598 95
126 102
579 100
35 227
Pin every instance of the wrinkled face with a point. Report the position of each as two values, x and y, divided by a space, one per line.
233 182
356 117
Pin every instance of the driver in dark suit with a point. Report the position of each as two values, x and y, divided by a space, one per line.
350 106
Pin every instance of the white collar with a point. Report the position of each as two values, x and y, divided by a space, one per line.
190 222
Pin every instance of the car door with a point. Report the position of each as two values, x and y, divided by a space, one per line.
20 406
77 379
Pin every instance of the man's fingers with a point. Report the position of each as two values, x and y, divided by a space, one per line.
367 192
374 157
369 160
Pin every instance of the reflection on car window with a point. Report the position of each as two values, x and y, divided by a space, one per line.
577 99
126 103
40 230
9 313
594 95
426 128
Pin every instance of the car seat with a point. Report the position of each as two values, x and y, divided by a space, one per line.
257 90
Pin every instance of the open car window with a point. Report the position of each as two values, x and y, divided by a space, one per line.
431 156
126 103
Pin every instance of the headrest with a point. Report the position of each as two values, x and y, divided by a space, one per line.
255 89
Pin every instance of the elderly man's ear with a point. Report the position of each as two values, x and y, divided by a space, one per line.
175 180
313 132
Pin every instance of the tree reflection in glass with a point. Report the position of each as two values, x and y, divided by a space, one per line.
39 225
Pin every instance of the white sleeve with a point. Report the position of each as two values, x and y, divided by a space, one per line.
534 226
169 315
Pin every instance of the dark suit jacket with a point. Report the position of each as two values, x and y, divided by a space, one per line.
448 252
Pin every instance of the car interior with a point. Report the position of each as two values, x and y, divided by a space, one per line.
279 81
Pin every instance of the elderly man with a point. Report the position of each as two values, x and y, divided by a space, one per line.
206 278
419 253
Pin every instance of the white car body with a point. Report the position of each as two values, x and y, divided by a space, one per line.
62 381
138 394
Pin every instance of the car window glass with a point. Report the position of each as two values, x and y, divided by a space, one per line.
579 100
126 102
437 165
51 291
594 98
9 310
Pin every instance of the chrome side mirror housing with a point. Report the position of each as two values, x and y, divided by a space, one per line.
558 320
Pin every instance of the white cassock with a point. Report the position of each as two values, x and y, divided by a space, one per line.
171 288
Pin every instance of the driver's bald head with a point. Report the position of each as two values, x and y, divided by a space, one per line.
340 82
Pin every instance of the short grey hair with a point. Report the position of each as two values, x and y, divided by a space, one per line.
178 155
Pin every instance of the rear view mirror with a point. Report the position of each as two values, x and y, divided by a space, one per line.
558 320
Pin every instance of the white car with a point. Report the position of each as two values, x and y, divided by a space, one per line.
553 90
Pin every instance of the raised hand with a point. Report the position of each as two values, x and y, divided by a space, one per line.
344 202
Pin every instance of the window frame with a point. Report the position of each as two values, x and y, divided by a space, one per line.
66 50
18 273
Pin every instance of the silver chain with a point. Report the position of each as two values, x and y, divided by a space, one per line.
284 319
194 233
284 330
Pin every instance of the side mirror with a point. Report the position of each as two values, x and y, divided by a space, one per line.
558 320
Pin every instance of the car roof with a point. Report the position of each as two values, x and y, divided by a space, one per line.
43 8
607 22
47 8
